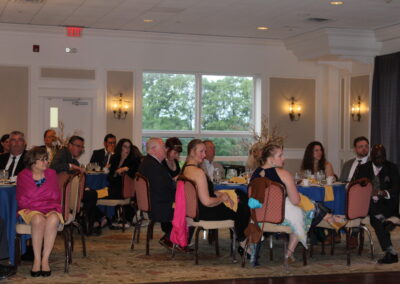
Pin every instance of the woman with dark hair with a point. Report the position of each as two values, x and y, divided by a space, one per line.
5 144
174 148
211 203
124 161
39 204
314 159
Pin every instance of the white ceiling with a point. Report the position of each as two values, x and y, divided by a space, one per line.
236 18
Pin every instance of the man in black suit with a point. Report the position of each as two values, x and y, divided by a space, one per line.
65 160
162 187
385 197
102 156
350 168
14 162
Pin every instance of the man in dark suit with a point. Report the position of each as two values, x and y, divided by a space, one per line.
162 187
102 156
350 168
385 197
14 162
65 160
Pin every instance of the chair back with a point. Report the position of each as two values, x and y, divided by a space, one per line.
142 190
63 178
192 205
273 206
128 187
71 199
358 198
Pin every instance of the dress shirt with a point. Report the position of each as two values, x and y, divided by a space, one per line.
10 159
355 164
108 156
209 167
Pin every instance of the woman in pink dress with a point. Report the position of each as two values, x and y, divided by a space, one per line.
39 204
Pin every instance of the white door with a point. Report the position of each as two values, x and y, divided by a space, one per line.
75 114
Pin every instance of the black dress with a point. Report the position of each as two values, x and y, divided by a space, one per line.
221 212
171 172
269 173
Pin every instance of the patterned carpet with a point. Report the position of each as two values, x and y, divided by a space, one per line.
110 260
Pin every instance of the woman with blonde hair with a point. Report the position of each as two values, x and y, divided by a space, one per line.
254 158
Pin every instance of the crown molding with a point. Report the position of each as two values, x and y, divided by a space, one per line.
388 33
139 35
333 43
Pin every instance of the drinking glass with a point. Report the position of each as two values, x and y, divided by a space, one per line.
217 175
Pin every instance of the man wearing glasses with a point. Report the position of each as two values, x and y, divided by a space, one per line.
65 160
13 162
102 156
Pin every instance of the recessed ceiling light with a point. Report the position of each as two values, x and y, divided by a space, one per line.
148 20
336 3
262 28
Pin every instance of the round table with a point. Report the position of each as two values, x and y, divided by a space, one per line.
8 212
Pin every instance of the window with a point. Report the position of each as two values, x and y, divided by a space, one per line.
219 108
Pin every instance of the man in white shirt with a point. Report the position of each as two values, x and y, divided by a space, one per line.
102 156
13 162
361 149
208 164
50 142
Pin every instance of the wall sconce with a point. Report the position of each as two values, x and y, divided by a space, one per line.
120 107
294 110
356 110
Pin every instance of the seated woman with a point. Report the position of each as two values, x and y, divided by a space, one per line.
39 203
300 212
211 203
254 158
314 160
174 148
123 161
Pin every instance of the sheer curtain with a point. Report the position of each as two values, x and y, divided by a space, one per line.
385 106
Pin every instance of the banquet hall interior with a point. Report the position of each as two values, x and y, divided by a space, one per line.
220 70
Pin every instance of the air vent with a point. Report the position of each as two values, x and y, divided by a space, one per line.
318 20
29 1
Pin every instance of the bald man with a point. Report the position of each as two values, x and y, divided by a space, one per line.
385 198
162 187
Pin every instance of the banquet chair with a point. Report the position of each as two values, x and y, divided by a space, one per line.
128 191
271 215
357 206
192 220
72 194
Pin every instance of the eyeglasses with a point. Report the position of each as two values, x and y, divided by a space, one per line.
78 146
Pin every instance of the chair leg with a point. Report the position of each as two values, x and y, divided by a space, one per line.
322 248
71 243
215 237
234 245
271 247
83 242
333 234
196 245
371 243
361 242
123 218
134 233
348 246
149 233
17 253
304 256
173 251
66 247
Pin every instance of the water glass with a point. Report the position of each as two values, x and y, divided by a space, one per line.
3 175
217 175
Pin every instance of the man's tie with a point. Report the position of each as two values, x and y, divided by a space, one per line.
11 167
356 170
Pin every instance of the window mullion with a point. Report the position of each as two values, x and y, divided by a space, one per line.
198 104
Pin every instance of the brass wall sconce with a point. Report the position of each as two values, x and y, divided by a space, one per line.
120 107
294 110
356 110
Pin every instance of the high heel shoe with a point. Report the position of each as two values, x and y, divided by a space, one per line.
337 225
36 273
320 212
46 273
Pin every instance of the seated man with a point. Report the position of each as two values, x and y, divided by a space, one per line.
102 156
14 162
5 270
162 187
209 165
385 197
50 142
65 160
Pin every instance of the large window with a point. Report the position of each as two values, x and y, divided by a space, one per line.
219 108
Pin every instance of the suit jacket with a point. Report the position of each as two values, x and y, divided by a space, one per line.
162 189
99 157
344 174
61 161
20 165
389 180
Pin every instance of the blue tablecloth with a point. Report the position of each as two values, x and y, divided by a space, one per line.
317 193
8 211
98 181
241 187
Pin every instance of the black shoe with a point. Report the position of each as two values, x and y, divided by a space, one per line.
36 273
388 258
389 226
97 231
46 273
7 271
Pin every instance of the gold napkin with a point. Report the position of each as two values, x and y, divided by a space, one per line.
233 196
329 193
101 193
240 180
305 203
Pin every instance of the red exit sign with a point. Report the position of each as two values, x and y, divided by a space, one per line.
74 31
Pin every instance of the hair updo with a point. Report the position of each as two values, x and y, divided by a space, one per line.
268 151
